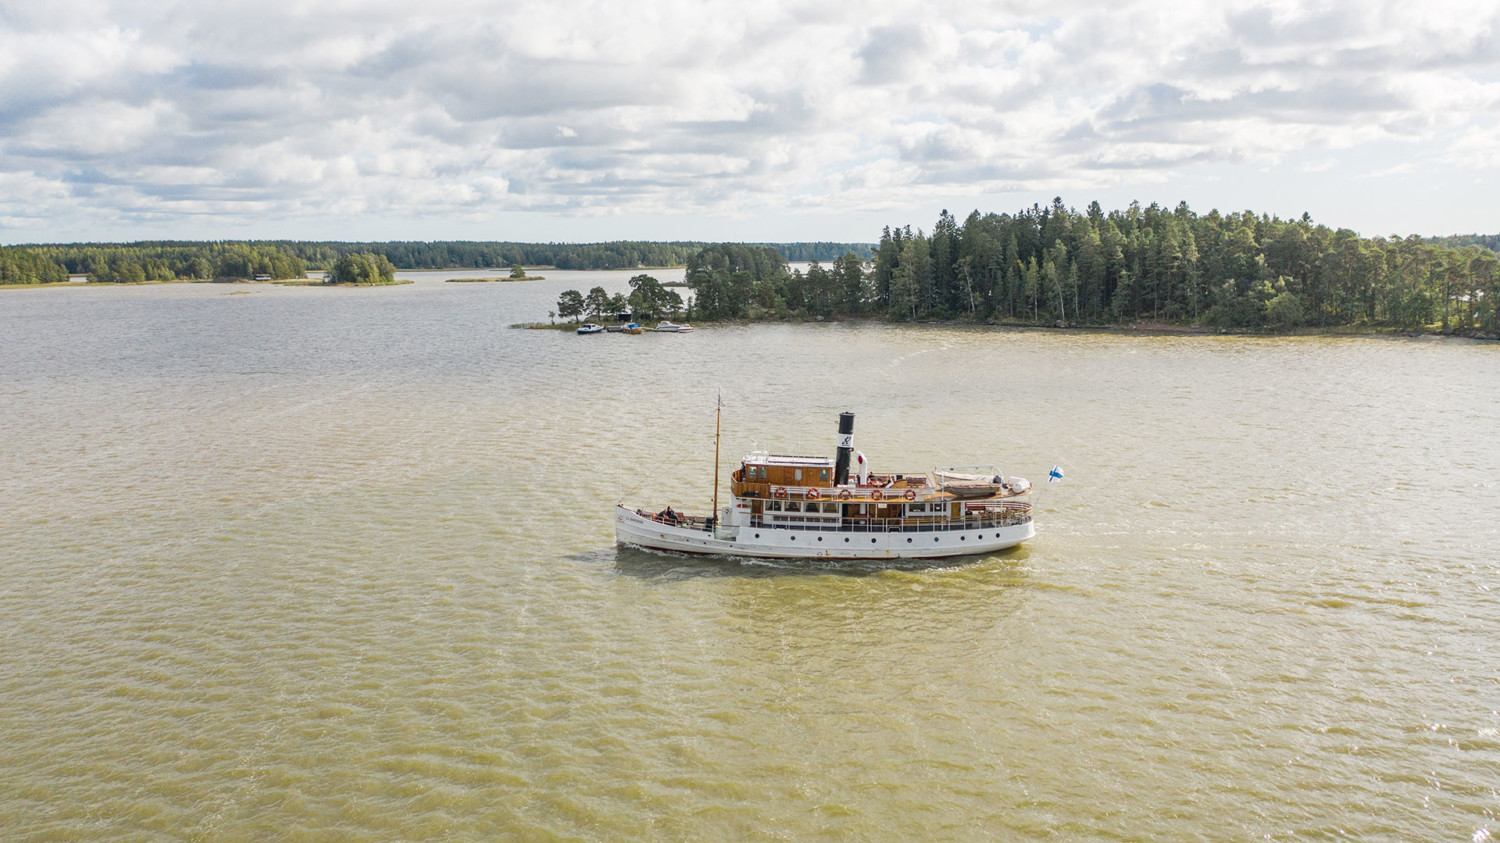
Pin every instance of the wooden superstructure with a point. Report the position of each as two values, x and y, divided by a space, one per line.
792 488
799 506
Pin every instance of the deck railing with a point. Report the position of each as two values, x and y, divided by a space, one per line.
981 517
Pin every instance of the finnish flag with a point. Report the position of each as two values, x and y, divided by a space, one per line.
1054 474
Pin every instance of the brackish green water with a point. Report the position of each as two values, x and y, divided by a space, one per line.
340 564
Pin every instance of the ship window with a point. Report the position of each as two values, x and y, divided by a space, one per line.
797 474
823 474
774 506
831 508
793 506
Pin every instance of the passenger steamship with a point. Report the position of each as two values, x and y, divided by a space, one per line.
793 507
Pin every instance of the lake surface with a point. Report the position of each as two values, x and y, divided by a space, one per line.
339 563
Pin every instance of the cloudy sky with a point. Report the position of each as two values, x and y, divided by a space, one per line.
819 119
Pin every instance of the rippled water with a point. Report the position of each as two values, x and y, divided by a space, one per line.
281 562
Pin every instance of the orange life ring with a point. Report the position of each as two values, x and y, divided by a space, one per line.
877 495
844 495
780 493
910 495
812 494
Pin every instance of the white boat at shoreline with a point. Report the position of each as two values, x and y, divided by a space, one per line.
590 328
666 327
799 507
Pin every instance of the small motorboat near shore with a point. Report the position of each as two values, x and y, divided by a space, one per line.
799 507
666 327
590 328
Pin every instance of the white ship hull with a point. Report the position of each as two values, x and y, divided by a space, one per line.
782 542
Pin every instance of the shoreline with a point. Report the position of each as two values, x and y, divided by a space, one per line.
1139 329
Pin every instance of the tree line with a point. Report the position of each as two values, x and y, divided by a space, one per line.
735 281
171 260
20 266
1457 241
478 254
165 261
1043 265
1053 264
619 254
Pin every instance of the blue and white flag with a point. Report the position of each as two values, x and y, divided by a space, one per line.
1054 474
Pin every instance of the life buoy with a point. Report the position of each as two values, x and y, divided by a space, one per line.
844 495
910 495
877 495
812 494
780 493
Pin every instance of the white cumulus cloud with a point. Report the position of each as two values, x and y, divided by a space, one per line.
136 116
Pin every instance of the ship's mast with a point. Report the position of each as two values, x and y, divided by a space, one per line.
718 419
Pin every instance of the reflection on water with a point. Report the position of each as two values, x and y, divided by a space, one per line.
341 562
668 567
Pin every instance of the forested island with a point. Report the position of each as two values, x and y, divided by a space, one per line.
361 269
1142 267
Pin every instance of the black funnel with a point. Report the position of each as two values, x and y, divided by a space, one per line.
846 449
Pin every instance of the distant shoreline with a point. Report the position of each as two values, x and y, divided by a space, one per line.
107 284
314 282
308 282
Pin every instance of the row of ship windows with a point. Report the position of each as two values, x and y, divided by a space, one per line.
908 541
833 508
758 472
799 506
